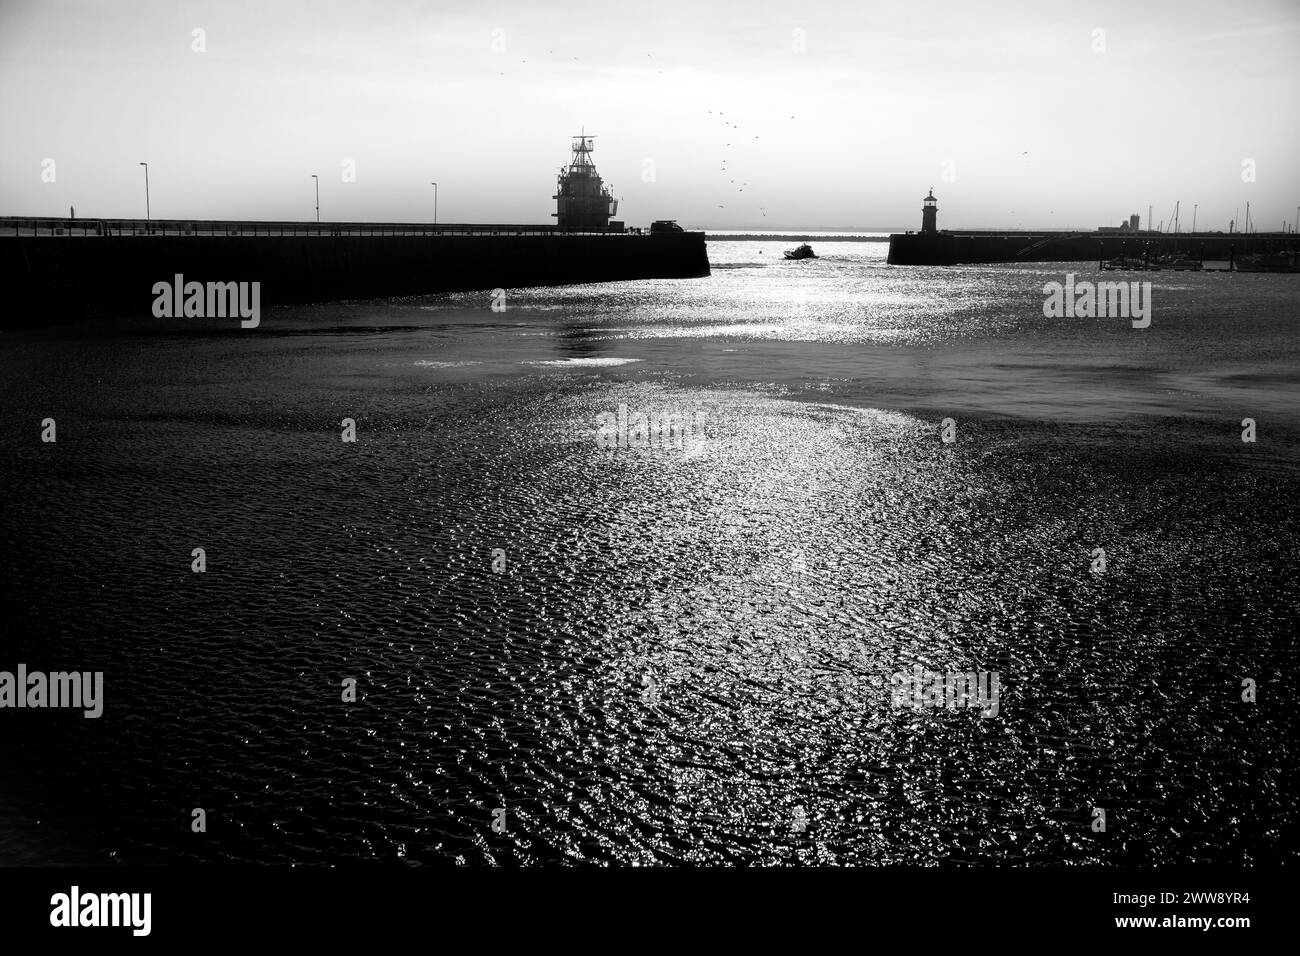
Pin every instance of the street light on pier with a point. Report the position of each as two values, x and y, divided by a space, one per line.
435 203
146 192
317 178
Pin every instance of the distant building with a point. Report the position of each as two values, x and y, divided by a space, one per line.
929 213
581 199
1134 221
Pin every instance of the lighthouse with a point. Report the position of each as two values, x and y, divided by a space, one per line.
929 210
582 200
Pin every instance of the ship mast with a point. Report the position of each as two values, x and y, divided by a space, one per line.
582 146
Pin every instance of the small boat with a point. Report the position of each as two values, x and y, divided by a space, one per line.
1126 263
801 252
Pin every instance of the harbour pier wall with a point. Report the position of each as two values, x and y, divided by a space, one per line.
954 248
66 270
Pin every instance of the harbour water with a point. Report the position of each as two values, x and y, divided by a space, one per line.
662 655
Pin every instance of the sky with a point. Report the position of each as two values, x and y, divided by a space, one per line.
751 115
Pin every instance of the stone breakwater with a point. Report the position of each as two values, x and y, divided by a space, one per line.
952 248
51 277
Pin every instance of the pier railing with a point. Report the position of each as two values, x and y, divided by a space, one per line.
46 226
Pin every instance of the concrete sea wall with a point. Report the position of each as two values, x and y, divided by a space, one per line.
950 248
54 278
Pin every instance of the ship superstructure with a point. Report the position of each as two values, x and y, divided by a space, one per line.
582 201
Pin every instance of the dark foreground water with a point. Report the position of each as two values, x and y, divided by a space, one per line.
687 651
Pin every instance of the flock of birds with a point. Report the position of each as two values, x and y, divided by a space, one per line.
720 116
735 129
728 124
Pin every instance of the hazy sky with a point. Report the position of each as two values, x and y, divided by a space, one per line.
844 113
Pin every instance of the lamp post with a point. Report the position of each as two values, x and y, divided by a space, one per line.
435 203
146 192
317 178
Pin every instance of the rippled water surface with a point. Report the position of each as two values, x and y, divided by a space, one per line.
688 650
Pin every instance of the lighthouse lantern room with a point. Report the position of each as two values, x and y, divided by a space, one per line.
929 213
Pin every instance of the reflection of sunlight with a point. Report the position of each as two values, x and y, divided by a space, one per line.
808 330
735 631
843 297
569 363
708 331
881 415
